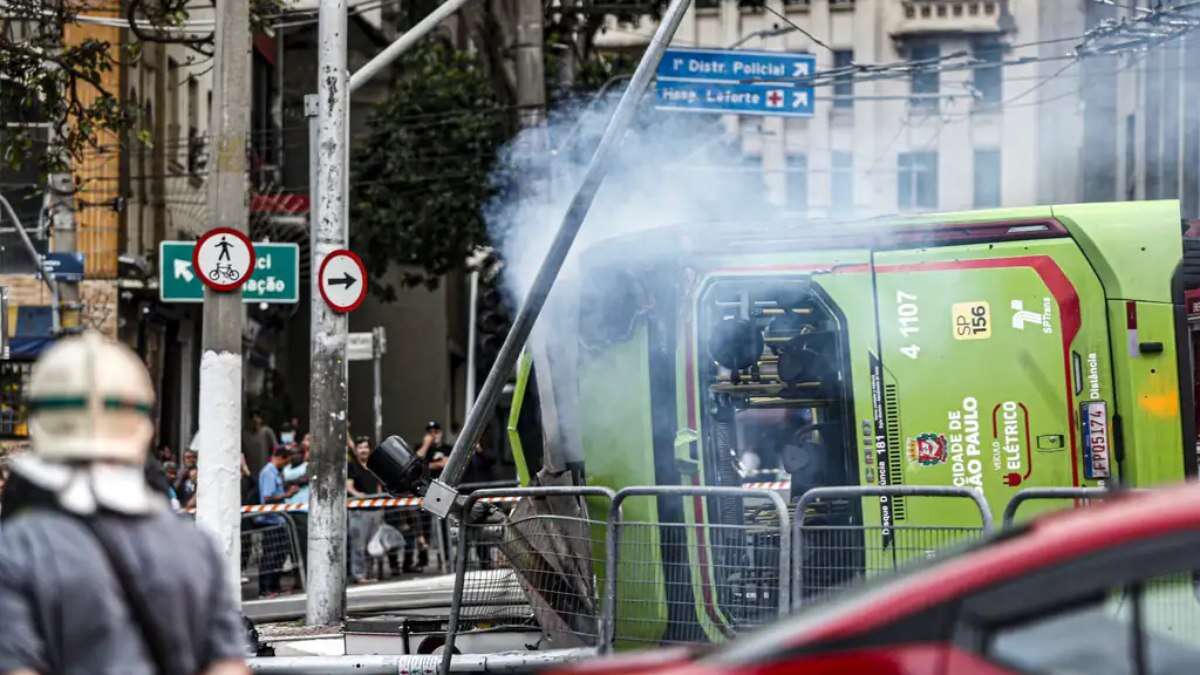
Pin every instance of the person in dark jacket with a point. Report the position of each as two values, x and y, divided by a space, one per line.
97 574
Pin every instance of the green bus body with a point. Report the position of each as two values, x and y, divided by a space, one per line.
1000 349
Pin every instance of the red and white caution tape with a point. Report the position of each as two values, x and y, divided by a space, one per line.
771 485
379 503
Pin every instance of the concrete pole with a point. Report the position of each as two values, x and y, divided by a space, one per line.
530 67
326 593
379 345
218 494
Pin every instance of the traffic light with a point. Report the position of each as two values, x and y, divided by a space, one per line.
493 320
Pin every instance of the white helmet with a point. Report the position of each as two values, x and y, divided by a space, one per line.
90 399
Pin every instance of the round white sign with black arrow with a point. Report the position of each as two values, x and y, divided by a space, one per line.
343 280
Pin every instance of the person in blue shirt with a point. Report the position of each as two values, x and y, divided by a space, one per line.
272 491
296 474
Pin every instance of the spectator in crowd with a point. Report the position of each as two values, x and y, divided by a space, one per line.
433 450
187 487
171 472
189 461
433 453
287 433
165 455
272 491
296 474
258 442
361 483
187 498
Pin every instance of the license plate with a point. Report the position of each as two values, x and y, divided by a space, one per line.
1093 418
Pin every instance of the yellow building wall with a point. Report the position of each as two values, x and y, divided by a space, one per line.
98 170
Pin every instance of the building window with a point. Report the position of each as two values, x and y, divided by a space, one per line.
797 5
842 181
988 79
843 85
917 180
14 381
925 84
987 178
797 182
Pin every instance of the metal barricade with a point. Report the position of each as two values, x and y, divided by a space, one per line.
1054 493
831 551
535 562
271 550
708 563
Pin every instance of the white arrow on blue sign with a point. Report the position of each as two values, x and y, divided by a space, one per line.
735 81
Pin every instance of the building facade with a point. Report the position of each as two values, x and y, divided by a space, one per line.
966 134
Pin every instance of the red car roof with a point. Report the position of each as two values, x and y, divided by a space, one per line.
1047 541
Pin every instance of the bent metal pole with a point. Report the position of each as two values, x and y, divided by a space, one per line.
439 498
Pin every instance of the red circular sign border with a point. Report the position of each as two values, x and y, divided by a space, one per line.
233 285
362 295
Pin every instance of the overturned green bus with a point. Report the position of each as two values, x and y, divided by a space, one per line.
1000 349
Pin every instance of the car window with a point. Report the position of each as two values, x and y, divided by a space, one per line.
1155 623
1171 624
1094 638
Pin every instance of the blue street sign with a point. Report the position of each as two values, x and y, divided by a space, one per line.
733 65
735 81
748 99
64 266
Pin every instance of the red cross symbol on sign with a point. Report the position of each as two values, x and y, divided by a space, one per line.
774 99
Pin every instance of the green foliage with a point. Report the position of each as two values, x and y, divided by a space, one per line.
43 80
421 176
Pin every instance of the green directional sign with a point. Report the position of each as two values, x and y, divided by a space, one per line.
276 275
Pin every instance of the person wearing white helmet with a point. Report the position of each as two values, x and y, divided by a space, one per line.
97 574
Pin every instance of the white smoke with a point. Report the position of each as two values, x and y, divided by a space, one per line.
671 169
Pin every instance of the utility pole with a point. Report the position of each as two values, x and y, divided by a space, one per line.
530 64
218 499
325 604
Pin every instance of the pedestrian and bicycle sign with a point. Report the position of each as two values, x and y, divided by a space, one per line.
275 278
342 280
223 258
735 81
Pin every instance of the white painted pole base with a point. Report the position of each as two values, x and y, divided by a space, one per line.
218 489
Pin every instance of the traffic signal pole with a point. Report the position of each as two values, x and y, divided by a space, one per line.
325 602
329 148
218 493
440 497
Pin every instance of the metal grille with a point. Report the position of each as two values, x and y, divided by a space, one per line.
537 563
830 557
683 583
1066 497
679 578
271 553
832 551
891 404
